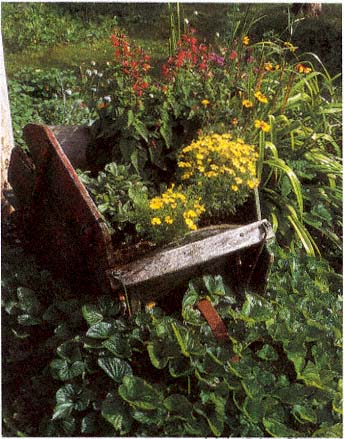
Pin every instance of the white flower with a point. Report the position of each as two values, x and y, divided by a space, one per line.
68 92
195 12
95 72
88 72
93 63
107 98
186 21
100 75
217 35
151 95
93 89
107 63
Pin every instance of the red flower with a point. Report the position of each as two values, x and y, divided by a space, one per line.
233 55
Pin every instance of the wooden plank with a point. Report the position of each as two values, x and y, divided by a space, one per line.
169 263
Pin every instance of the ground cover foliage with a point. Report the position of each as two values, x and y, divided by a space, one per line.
73 363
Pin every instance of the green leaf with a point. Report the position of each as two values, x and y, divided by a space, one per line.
157 354
278 429
304 414
28 301
88 423
69 351
150 417
116 413
139 393
68 398
257 309
91 314
268 353
101 330
118 345
213 409
28 320
179 405
116 368
65 370
62 410
335 430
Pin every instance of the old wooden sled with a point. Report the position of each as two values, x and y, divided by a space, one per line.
68 233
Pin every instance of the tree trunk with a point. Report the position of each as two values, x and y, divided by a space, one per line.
7 142
307 9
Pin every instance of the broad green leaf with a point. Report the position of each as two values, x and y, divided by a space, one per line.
304 414
157 354
179 367
69 351
268 353
91 314
278 429
66 370
101 330
89 424
150 417
116 368
257 309
310 375
179 405
335 430
138 393
213 409
117 413
118 345
28 301
62 410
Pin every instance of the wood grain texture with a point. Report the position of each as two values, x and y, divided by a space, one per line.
166 263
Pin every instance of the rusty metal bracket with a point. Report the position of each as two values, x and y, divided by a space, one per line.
214 320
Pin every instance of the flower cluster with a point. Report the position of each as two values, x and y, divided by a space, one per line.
134 62
223 170
174 207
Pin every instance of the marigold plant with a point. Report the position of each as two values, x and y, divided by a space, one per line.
170 215
222 169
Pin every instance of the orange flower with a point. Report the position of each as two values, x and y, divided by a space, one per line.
262 125
247 103
246 40
303 69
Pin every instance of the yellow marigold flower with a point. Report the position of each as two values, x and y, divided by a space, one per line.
247 103
261 98
168 219
156 221
268 66
303 69
156 203
190 224
205 102
290 46
251 184
262 125
246 40
234 188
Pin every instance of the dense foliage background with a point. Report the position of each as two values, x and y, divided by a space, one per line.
73 364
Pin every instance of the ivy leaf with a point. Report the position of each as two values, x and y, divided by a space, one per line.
91 314
66 370
139 393
116 368
116 413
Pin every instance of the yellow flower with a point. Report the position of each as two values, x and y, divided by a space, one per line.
247 103
190 224
303 69
251 184
234 188
168 219
268 66
261 98
234 121
156 203
156 221
150 305
246 40
205 102
262 125
290 46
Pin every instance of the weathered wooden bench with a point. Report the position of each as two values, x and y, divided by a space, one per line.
68 233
